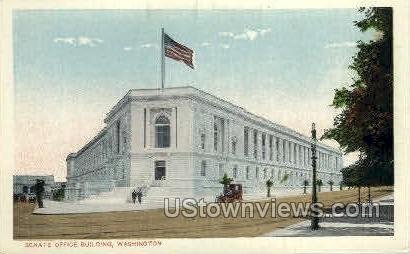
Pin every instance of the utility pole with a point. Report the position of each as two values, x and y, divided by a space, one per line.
314 213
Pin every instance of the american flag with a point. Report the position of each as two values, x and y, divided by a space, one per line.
178 51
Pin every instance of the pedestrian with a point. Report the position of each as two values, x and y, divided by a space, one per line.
134 196
39 189
139 196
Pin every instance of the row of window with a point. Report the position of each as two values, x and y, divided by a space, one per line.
280 150
102 151
248 174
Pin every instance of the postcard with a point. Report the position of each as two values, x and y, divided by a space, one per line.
212 128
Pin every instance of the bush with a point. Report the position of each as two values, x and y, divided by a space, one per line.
59 195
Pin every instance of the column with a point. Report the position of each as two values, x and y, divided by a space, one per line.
174 128
274 151
280 150
148 128
290 152
305 157
286 151
297 154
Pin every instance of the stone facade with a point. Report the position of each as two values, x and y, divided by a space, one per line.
179 142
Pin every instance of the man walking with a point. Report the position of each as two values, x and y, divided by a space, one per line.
134 196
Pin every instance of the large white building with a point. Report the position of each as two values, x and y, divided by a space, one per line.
179 142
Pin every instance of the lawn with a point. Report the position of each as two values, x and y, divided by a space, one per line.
154 224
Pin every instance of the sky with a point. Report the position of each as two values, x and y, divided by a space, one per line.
72 66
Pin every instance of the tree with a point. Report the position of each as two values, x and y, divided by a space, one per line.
284 178
330 182
305 184
59 194
365 124
269 184
353 176
225 181
319 183
39 190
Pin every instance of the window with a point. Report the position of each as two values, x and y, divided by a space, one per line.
289 152
255 144
263 146
265 173
124 138
216 137
162 132
117 133
272 173
270 147
304 156
123 172
203 141
283 151
294 153
203 168
277 149
104 148
247 172
233 146
257 173
235 171
110 145
160 170
246 141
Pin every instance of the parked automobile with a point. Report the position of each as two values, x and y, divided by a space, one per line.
231 194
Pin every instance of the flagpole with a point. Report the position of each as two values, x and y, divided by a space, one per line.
162 59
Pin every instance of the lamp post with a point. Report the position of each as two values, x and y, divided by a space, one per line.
314 213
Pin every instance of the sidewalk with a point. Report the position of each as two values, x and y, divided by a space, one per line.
346 226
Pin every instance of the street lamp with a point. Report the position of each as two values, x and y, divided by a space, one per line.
314 213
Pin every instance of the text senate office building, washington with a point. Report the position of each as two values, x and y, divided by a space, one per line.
179 142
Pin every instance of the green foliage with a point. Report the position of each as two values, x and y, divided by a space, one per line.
305 182
225 180
39 187
284 178
269 183
59 194
319 184
365 124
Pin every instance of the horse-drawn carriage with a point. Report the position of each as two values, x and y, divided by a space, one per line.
232 193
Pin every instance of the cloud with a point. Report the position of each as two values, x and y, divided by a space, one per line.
345 44
262 31
67 40
205 44
225 46
246 34
147 45
226 34
79 41
127 48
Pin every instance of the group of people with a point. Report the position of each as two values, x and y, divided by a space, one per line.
137 194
